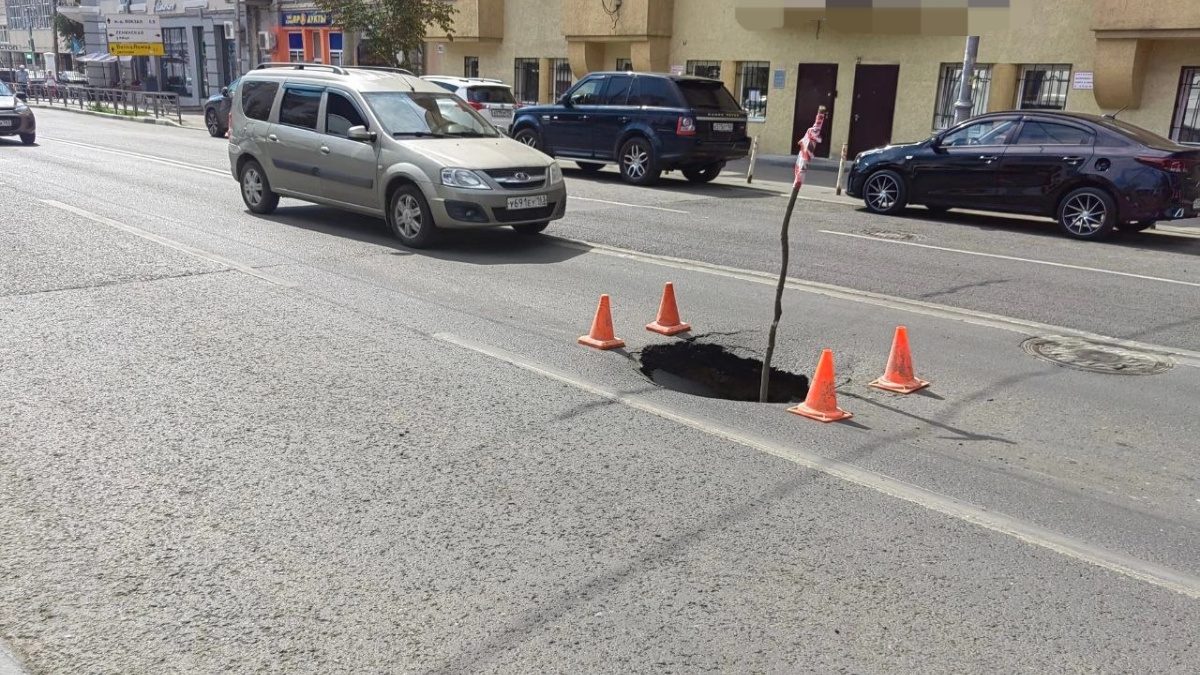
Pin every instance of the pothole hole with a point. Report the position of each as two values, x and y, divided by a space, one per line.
712 371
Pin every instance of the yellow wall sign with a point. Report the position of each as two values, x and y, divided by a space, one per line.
136 48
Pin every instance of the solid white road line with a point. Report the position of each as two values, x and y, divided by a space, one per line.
138 155
634 206
1021 326
170 243
1077 549
998 256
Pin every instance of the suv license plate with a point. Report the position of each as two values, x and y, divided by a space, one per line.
6 123
518 203
501 112
722 126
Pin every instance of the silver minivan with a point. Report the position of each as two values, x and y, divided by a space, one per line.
384 142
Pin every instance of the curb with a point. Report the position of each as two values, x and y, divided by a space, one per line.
8 662
159 121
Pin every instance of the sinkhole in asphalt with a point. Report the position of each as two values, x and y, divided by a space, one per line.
712 371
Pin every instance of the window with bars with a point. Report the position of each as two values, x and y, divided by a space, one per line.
704 69
525 80
1044 87
751 87
625 64
295 47
1185 125
563 78
947 93
470 66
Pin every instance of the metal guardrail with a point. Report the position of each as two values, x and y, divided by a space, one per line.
101 99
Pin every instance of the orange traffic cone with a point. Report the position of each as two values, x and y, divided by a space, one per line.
898 377
821 402
602 336
668 322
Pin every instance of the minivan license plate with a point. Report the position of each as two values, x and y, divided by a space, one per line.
534 202
722 126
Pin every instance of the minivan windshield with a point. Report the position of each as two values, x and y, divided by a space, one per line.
708 95
423 114
4 90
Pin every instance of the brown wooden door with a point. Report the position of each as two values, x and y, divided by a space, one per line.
816 85
874 107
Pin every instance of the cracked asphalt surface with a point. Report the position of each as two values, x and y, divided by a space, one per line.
202 471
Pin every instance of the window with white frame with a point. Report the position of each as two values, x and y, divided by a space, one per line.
1185 125
704 69
947 93
295 47
751 86
1044 87
335 49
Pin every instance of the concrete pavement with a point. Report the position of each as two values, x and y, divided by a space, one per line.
366 459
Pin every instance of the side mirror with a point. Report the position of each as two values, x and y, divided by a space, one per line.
22 96
225 91
360 133
566 100
936 145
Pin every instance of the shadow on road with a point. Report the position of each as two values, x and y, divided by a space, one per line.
494 246
672 182
1151 240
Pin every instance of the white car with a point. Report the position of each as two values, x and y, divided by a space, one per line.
492 98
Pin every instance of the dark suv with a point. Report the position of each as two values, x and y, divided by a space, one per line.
646 123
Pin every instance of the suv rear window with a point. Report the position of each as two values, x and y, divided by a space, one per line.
257 99
708 95
655 92
490 95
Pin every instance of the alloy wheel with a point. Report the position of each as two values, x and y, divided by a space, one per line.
210 120
530 140
1084 214
882 192
252 186
635 161
408 216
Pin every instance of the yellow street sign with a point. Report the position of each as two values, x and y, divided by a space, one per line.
135 48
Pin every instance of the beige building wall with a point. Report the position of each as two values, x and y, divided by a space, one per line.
1058 32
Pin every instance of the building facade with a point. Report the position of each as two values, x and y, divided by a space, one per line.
29 22
883 75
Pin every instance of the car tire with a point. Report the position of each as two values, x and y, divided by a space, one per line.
213 123
638 164
29 139
589 167
1136 227
531 138
884 192
410 218
1087 213
705 174
531 228
256 189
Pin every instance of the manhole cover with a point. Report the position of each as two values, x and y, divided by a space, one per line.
1096 357
887 234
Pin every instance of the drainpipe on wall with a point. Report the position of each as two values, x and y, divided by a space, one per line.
962 109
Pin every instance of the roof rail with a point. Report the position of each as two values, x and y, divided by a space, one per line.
302 66
384 69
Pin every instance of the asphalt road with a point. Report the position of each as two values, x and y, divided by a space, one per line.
285 444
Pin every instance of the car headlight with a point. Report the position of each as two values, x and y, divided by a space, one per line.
21 109
463 178
555 173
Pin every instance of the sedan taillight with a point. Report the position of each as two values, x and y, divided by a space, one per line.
476 105
1169 164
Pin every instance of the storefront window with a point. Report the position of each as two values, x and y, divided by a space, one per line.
295 47
175 62
335 49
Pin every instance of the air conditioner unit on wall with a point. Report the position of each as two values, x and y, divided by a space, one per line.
266 40
228 30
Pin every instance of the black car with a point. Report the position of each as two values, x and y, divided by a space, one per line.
646 123
1091 173
216 110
